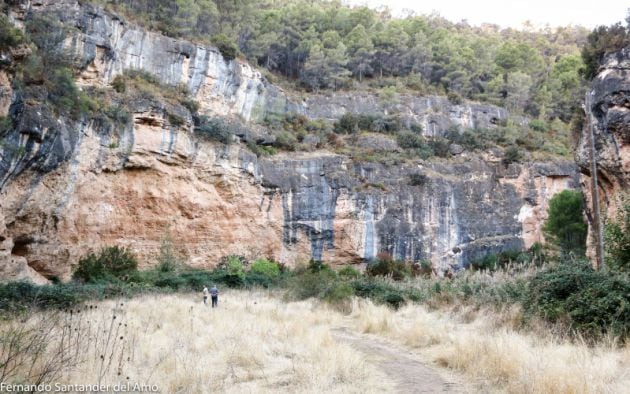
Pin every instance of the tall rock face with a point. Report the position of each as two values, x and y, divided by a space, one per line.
103 45
68 187
608 116
216 200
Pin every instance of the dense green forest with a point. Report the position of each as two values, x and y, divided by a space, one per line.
317 44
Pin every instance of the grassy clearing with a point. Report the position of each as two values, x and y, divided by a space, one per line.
252 342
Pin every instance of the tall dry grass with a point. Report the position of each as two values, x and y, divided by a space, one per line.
252 343
255 342
497 356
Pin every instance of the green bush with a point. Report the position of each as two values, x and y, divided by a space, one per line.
416 127
119 84
472 140
388 124
190 104
347 124
225 45
565 226
266 268
538 125
382 292
139 74
312 284
285 140
117 114
591 302
349 272
440 147
385 266
494 261
617 240
454 98
511 155
214 129
489 262
339 293
530 141
367 122
175 120
235 266
9 35
16 296
65 95
469 139
110 263
410 140
418 179
261 150
423 268
168 260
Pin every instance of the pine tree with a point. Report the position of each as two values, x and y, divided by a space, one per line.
361 51
186 17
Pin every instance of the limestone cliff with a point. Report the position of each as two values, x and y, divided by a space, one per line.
71 186
609 112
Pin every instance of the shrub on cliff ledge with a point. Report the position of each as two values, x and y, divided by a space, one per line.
110 263
9 35
225 45
213 128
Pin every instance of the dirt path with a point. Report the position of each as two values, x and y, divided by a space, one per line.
410 374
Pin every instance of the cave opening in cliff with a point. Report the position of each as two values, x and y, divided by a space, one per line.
20 247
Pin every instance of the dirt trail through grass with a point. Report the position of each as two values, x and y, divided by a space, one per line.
400 365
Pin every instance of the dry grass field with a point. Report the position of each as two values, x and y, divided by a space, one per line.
495 356
256 342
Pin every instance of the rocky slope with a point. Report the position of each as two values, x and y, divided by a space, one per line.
609 114
72 186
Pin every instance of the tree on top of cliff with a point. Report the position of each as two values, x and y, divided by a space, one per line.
320 44
602 41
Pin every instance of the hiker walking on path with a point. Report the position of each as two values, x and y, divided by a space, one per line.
205 295
214 292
